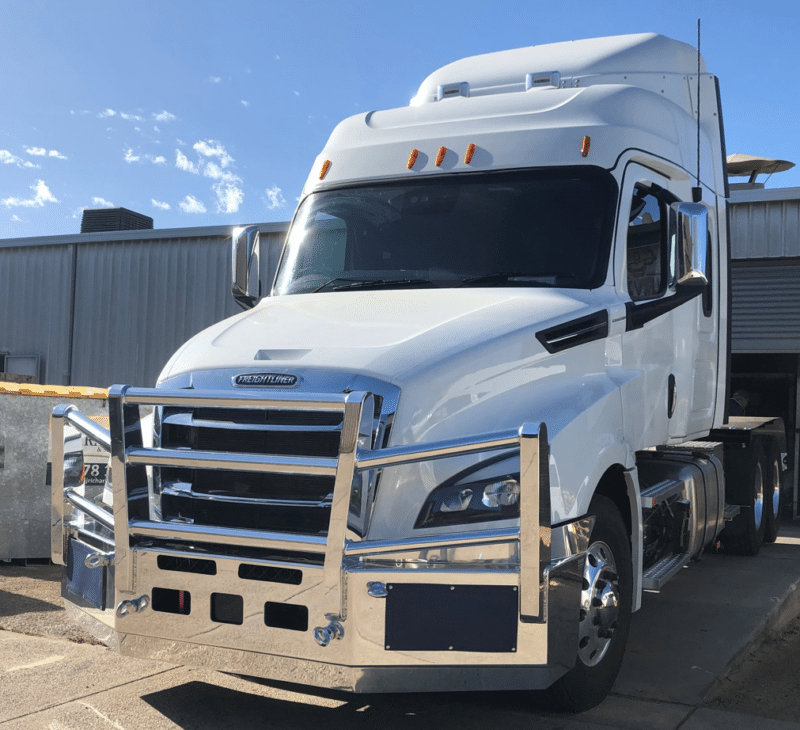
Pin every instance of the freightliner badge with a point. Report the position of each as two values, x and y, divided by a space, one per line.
266 380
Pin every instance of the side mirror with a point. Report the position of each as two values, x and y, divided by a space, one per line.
246 284
688 227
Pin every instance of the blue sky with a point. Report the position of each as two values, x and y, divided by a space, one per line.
204 113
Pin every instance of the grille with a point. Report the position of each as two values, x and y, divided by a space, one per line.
294 503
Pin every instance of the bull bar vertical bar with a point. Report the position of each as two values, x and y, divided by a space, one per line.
57 483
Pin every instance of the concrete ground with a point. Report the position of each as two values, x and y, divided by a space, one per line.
686 645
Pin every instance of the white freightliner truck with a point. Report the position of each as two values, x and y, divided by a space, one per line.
482 409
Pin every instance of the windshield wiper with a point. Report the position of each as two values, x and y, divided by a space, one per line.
373 284
331 281
517 277
335 285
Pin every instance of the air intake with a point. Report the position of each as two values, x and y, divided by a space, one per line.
100 220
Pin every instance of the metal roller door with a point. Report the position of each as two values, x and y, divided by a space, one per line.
765 316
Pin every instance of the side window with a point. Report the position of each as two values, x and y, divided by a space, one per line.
708 298
647 254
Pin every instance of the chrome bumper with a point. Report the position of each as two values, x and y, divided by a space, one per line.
472 610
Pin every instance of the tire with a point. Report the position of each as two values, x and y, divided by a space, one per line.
745 534
773 482
605 614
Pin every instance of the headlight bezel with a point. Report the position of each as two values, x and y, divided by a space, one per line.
465 499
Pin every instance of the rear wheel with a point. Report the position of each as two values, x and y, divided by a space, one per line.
772 493
745 533
604 613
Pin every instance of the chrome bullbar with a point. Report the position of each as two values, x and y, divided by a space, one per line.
241 599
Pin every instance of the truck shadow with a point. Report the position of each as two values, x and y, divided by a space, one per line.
205 706
13 604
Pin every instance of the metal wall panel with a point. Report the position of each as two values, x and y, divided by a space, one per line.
765 229
765 316
138 301
35 303
138 296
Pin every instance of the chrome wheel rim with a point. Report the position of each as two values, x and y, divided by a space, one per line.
758 500
776 490
600 602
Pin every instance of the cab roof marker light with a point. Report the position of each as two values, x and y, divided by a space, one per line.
469 154
412 158
440 156
586 142
324 171
448 91
542 80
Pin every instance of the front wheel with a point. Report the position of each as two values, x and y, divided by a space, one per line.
605 612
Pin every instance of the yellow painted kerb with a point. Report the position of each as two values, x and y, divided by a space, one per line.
55 391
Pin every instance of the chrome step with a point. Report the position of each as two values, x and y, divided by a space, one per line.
660 492
657 575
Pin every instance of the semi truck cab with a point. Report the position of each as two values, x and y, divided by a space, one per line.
477 412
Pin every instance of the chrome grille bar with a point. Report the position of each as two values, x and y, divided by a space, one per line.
223 399
224 536
232 461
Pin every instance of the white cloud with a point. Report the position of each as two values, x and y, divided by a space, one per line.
16 218
213 149
190 204
36 151
182 162
102 202
215 172
131 117
180 142
155 129
165 116
8 159
274 198
107 113
227 184
56 154
158 204
41 196
214 80
245 103
229 197
297 93
130 157
160 160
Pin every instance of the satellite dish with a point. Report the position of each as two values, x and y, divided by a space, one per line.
740 165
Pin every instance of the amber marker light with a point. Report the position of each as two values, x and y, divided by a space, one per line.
469 154
440 156
586 142
324 171
412 158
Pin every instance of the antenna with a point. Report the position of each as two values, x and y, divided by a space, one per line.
697 191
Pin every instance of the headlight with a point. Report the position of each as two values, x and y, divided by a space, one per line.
463 503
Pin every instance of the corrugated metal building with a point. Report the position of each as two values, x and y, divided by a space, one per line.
104 308
765 316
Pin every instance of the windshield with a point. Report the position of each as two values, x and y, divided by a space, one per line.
544 227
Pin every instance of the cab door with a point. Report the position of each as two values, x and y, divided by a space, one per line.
669 344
